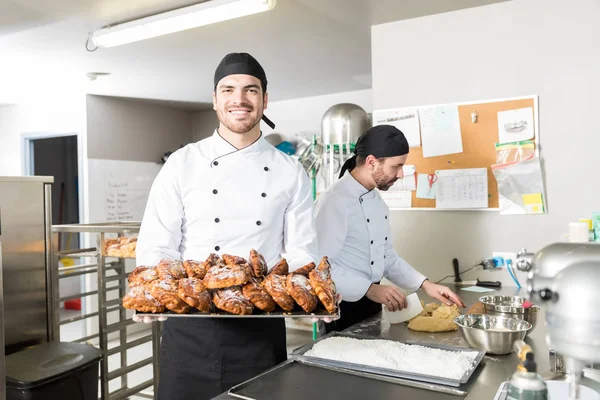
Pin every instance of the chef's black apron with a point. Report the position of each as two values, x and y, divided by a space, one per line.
353 313
203 357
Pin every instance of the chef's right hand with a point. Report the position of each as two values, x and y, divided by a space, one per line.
387 295
147 319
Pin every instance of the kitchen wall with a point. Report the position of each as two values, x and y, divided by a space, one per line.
123 129
10 145
543 47
204 124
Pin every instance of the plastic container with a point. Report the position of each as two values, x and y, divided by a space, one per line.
55 370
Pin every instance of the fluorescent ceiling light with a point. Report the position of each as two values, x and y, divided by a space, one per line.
208 12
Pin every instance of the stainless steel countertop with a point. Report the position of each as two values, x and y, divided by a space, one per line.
493 369
45 179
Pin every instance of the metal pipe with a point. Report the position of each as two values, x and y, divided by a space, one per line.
156 325
85 316
125 370
51 289
76 251
2 349
118 326
129 345
102 320
78 296
130 392
86 338
115 278
115 302
122 317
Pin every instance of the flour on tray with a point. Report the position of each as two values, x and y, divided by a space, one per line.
397 356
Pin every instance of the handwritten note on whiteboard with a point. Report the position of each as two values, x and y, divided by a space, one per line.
462 188
440 130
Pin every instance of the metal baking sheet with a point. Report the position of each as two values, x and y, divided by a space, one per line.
298 379
319 313
299 353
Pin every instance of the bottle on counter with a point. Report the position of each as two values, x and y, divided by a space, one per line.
526 383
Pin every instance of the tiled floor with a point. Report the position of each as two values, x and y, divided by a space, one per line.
297 335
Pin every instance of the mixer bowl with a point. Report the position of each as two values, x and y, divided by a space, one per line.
494 334
512 307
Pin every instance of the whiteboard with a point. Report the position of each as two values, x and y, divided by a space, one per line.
118 190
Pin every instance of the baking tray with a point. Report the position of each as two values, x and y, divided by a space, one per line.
318 313
298 379
299 353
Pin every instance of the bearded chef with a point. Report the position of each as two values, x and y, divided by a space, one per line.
229 193
353 229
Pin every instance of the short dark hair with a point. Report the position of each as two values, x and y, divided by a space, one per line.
360 160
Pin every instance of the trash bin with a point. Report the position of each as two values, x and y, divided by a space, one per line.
55 370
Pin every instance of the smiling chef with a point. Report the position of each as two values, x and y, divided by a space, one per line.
353 229
229 193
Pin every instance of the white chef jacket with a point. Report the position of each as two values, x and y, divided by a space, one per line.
211 197
353 230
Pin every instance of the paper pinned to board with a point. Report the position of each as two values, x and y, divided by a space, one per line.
405 119
409 182
515 125
397 198
440 130
425 188
462 188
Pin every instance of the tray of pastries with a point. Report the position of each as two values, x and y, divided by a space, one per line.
232 286
122 247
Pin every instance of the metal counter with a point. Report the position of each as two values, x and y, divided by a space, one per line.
493 369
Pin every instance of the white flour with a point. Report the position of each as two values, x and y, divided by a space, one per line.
393 355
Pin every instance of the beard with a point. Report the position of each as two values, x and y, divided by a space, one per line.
236 125
383 182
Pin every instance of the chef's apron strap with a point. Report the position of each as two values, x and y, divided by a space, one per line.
353 313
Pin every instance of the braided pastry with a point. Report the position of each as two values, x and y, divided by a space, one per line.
170 269
140 299
193 292
224 276
142 275
281 268
232 301
320 280
258 295
275 285
258 264
305 270
194 269
298 287
165 291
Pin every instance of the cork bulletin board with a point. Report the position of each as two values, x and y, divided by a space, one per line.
478 140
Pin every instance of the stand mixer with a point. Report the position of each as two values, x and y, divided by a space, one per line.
563 278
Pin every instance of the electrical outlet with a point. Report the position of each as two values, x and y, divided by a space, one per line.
506 256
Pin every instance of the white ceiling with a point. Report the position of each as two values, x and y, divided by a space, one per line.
307 47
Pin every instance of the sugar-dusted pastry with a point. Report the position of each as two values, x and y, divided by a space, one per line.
170 269
194 269
281 268
193 292
305 269
232 301
233 260
275 286
224 276
320 280
258 264
301 291
166 292
142 275
258 295
128 249
212 260
140 299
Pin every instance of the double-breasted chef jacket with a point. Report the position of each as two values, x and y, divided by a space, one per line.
210 197
353 229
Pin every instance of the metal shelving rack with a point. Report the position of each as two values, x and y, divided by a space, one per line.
102 265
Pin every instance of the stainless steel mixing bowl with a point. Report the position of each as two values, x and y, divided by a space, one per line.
493 333
510 306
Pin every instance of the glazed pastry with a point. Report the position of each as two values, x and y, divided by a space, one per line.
194 269
275 286
257 294
258 264
193 292
140 299
320 280
212 260
166 292
233 260
299 288
170 269
142 275
281 268
232 301
305 270
224 276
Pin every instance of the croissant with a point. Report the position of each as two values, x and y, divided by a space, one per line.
257 294
193 292
320 280
258 264
170 269
194 269
275 285
224 276
232 301
305 270
233 260
281 268
166 292
142 275
140 299
299 288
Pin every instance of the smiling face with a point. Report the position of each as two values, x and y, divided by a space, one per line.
239 102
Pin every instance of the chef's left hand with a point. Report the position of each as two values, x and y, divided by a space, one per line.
441 293
328 319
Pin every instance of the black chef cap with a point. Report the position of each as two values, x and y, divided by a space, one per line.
379 141
242 63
